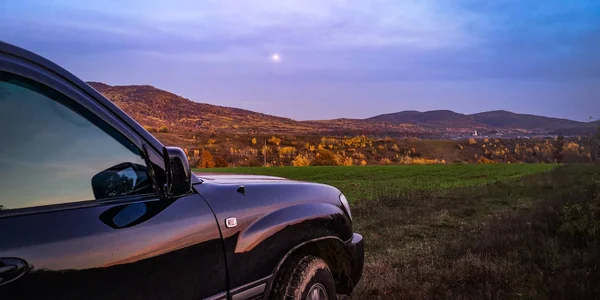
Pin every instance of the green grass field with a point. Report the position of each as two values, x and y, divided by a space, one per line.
470 231
364 182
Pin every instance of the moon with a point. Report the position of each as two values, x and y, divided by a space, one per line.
275 57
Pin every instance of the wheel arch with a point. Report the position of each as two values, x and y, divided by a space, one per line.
329 248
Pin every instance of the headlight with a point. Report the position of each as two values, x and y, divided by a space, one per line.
346 205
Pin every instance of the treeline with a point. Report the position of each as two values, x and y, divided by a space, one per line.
215 151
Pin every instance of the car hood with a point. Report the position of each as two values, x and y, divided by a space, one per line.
236 178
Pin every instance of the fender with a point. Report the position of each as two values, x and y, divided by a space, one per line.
273 218
306 217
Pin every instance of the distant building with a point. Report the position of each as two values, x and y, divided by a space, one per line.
475 133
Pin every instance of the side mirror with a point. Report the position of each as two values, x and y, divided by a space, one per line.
121 180
178 172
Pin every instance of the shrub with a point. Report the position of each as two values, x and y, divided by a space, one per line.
163 129
408 160
220 162
559 144
287 151
485 160
324 158
348 161
472 141
363 162
211 141
274 141
301 161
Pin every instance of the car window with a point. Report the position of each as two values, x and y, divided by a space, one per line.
55 151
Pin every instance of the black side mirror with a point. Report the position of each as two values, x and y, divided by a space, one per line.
121 180
179 174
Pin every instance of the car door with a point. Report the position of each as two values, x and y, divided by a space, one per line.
80 214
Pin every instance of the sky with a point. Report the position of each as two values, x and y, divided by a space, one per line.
334 58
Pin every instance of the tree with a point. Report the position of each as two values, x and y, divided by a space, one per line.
274 141
207 160
324 158
220 162
595 145
301 161
253 141
559 144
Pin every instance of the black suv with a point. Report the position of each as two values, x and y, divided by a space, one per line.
94 207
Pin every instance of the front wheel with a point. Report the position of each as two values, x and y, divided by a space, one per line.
305 278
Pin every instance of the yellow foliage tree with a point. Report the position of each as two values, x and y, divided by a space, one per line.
287 151
301 161
253 141
274 141
363 162
472 141
325 158
207 160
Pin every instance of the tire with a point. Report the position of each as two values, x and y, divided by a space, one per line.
302 275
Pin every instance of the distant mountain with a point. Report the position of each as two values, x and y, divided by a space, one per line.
506 119
443 118
156 108
499 119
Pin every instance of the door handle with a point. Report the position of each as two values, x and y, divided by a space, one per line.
11 269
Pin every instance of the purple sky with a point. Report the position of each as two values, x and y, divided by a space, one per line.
338 58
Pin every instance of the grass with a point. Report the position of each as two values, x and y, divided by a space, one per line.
365 182
536 238
472 231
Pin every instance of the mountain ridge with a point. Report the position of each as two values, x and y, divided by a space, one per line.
157 108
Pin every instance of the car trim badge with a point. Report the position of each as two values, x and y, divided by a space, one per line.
230 222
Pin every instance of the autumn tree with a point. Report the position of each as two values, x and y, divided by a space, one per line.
595 145
558 145
324 158
301 161
220 162
253 141
207 160
592 142
274 141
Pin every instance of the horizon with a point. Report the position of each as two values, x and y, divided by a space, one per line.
308 60
348 118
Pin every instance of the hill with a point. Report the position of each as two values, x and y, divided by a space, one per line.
156 108
506 119
163 111
499 119
436 118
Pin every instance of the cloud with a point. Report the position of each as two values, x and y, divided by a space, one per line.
181 42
